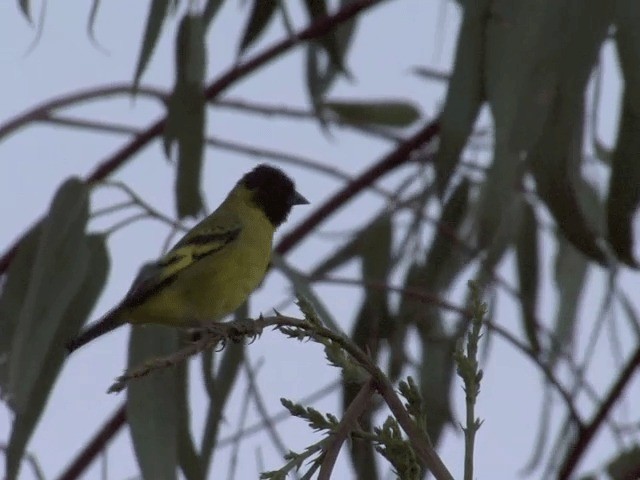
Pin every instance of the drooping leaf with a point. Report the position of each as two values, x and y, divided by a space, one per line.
445 257
188 458
76 314
436 367
224 381
219 387
528 262
372 325
155 19
520 79
61 259
570 271
262 12
624 194
12 298
186 115
385 113
322 69
25 8
466 91
556 156
152 403
317 9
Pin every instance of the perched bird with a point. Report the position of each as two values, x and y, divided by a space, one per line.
215 266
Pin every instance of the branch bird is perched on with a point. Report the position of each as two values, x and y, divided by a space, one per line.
215 266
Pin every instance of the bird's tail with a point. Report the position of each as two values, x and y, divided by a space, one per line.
110 321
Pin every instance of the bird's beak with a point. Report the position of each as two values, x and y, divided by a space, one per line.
298 199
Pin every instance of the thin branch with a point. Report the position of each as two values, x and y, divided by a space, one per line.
96 445
43 110
400 155
262 409
236 147
348 422
300 113
215 88
220 332
586 434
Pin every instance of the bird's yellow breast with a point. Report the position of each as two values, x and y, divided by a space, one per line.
216 284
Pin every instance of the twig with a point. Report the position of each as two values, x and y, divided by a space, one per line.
240 70
96 445
586 434
232 330
401 154
347 424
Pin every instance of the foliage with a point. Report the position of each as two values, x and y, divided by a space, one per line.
475 193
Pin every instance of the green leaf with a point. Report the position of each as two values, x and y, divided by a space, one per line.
77 312
152 403
626 465
321 72
556 155
12 298
466 91
445 258
570 272
187 455
317 9
155 19
436 366
262 12
624 194
61 260
528 262
186 115
373 324
389 113
210 10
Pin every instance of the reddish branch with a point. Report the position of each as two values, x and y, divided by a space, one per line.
242 69
95 446
586 435
315 30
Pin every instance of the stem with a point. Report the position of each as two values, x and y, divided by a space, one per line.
586 435
347 424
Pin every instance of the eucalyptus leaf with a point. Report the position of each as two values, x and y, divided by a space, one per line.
210 11
262 11
388 113
624 194
25 8
528 263
570 270
152 403
61 260
466 91
186 115
77 312
155 19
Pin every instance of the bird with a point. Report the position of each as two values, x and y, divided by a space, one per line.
214 267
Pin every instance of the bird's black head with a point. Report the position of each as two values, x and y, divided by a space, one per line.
273 192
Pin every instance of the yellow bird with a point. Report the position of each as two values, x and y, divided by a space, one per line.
215 266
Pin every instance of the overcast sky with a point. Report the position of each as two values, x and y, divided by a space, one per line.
391 40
